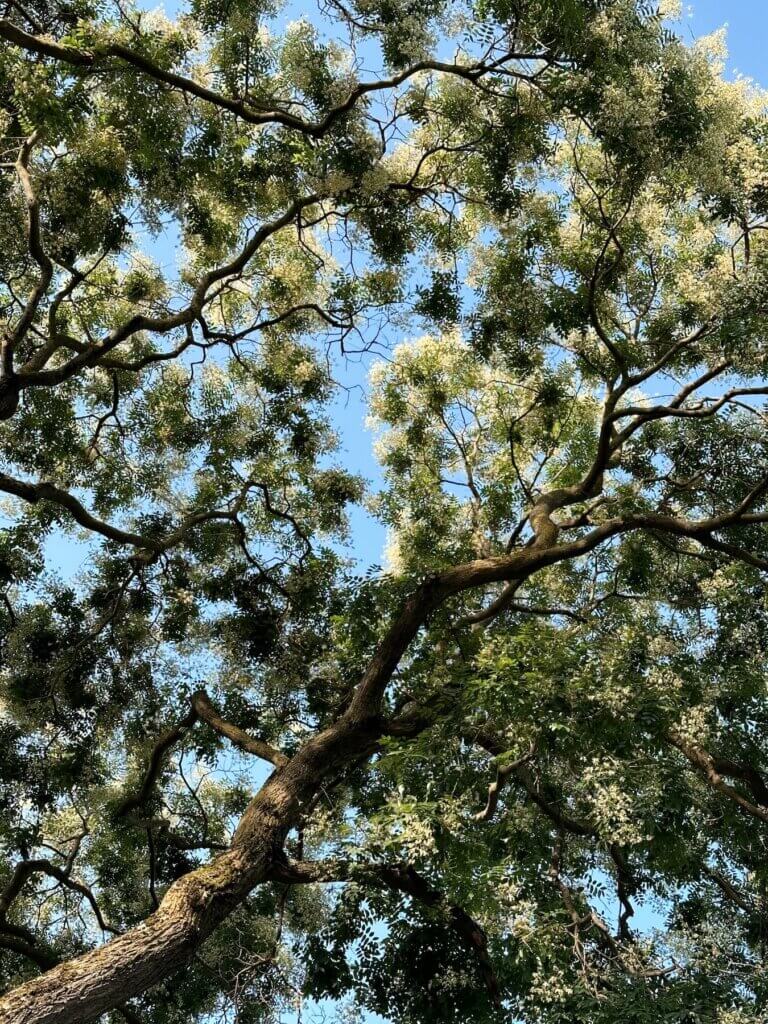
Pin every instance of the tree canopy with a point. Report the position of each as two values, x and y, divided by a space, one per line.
518 773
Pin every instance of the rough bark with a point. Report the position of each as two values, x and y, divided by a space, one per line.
82 989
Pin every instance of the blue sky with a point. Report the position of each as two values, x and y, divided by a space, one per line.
747 22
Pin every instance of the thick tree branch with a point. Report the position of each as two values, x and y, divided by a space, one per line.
711 768
207 713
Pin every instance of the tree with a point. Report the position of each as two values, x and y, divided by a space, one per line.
551 706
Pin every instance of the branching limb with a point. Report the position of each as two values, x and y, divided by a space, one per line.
401 878
207 713
150 548
43 491
496 607
92 354
97 58
161 747
494 790
712 769
201 709
26 868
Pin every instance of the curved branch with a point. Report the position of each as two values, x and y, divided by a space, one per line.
149 547
26 868
710 768
92 59
163 744
43 491
201 709
91 355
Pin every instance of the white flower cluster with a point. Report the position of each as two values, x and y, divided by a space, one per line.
612 806
693 725
734 1017
417 838
550 985
158 21
670 9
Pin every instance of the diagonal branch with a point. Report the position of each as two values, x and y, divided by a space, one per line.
712 770
150 548
201 709
152 774
91 355
26 868
207 713
44 491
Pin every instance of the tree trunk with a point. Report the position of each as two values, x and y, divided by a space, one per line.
82 989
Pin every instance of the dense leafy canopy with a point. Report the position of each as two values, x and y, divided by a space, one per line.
519 773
